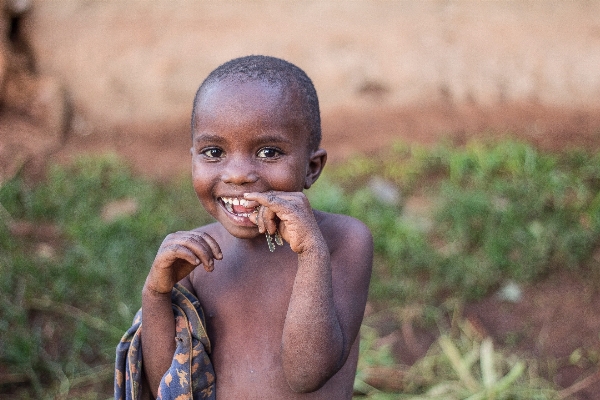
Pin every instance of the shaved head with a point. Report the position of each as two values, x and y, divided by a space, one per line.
276 72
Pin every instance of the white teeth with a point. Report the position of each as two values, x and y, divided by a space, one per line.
229 202
232 200
235 201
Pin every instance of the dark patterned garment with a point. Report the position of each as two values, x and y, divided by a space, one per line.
191 375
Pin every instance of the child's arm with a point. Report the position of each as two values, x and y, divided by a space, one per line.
177 256
323 319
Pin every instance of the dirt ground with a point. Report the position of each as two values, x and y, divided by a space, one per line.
162 151
556 323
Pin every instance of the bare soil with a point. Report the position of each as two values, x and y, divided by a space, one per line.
556 323
161 151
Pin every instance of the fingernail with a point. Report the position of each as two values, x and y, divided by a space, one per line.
197 261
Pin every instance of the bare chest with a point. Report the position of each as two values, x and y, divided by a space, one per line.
237 290
245 310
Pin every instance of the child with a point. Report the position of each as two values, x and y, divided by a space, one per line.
282 320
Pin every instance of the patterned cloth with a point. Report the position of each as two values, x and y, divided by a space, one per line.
191 375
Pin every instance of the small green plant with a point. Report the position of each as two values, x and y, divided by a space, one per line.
463 367
457 366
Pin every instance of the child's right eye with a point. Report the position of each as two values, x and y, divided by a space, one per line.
213 152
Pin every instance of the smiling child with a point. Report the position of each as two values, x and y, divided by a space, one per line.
281 321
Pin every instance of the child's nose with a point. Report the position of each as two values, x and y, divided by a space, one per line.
239 171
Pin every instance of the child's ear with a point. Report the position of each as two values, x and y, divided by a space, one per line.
316 163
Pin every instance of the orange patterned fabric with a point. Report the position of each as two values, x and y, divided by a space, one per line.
191 375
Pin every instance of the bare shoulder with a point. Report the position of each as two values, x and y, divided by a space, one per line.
351 247
211 229
346 235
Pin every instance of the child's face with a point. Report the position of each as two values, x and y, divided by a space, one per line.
248 137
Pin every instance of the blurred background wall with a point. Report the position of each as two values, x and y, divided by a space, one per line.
122 74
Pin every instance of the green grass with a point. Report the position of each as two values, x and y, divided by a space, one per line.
497 212
65 302
493 212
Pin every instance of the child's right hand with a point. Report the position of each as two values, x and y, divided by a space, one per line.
179 254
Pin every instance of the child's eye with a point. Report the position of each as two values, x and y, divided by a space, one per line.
213 152
268 152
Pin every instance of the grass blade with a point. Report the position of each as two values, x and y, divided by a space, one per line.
488 374
74 312
458 363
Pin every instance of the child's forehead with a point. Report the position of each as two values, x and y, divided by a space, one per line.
233 101
232 92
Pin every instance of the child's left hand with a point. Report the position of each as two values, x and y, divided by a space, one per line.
289 213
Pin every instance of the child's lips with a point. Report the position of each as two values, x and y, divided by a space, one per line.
239 206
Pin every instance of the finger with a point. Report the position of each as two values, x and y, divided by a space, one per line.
214 246
203 251
278 202
265 198
260 219
204 247
206 257
269 220
176 251
253 217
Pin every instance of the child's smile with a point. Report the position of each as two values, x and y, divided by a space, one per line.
239 207
248 138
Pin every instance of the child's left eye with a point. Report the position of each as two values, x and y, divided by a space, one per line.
268 152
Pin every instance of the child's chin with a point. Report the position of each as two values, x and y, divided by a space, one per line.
244 233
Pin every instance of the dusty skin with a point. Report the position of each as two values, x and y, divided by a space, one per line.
283 324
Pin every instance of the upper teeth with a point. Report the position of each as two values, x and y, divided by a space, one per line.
235 201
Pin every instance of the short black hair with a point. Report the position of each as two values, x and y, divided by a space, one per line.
274 71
